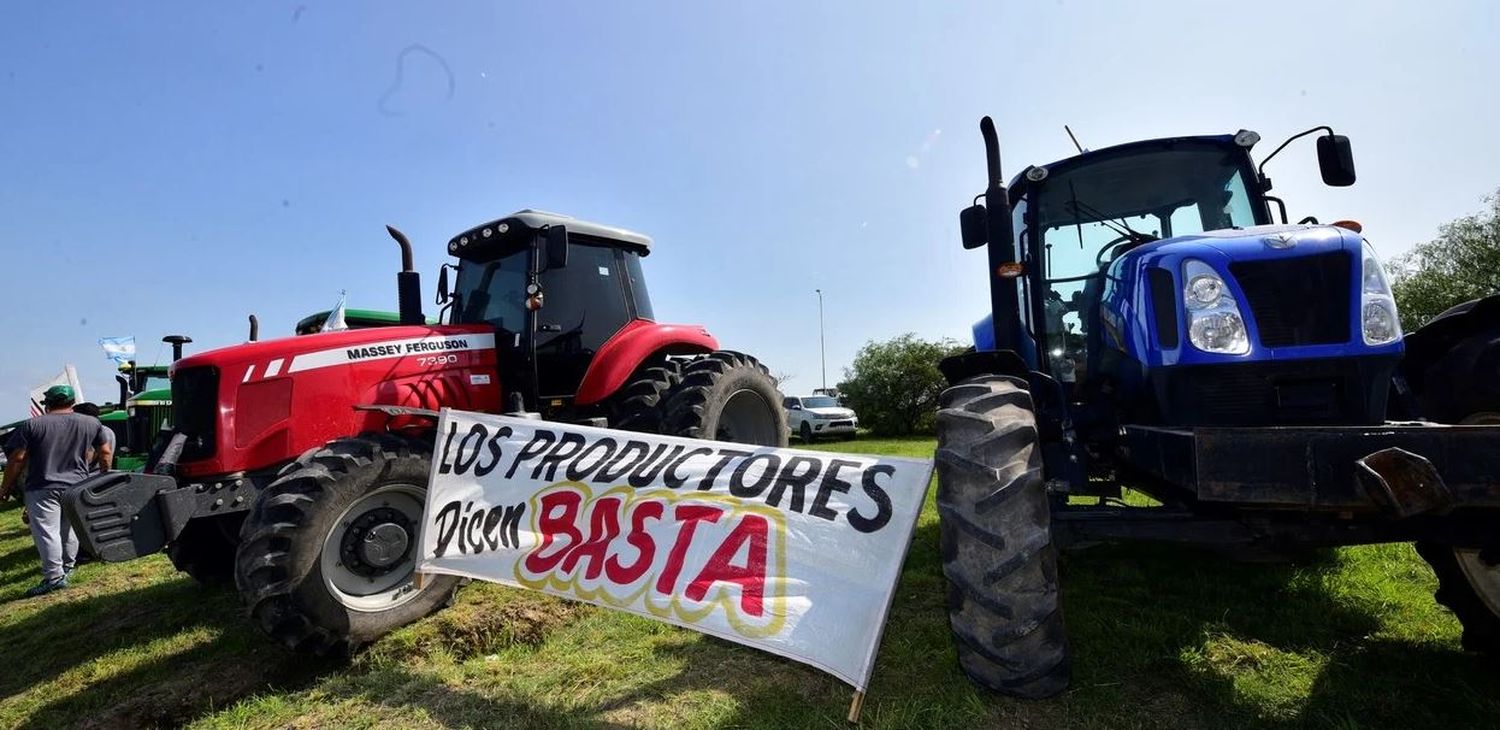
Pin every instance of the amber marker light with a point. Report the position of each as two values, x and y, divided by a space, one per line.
1010 270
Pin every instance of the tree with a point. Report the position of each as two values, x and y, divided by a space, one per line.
1462 264
894 385
780 377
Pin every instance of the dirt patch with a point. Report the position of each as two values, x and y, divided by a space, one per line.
484 621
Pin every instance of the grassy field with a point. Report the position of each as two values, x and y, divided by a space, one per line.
1161 638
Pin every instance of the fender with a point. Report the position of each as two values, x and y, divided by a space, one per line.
1432 340
961 367
637 341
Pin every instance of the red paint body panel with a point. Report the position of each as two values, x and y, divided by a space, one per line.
279 398
629 347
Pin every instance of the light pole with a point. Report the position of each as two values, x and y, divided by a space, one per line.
822 348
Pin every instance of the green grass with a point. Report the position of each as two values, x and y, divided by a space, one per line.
1161 638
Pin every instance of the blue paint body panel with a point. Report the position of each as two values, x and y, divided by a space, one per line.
1126 305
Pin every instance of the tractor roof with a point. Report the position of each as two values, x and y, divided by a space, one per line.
529 221
1218 140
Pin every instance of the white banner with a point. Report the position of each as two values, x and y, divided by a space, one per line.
68 376
794 552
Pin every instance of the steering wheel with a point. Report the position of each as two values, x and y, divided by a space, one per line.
1124 238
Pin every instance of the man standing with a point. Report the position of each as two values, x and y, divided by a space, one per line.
56 448
92 410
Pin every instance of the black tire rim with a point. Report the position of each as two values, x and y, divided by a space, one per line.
748 418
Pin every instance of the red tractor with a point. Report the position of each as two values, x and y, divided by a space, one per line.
298 466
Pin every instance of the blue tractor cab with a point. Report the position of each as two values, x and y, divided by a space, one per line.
1156 325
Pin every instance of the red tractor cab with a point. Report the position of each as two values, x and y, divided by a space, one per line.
298 466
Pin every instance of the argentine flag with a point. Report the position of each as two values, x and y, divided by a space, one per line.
119 349
335 320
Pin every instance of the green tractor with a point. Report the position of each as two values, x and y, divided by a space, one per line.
357 319
144 408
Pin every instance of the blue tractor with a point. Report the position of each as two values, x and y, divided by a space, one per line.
1155 327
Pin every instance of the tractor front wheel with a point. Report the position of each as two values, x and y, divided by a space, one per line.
995 533
1463 387
327 557
726 396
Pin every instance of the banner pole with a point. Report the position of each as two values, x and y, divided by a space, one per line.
855 705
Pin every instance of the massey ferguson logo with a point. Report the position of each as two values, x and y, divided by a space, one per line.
408 348
422 346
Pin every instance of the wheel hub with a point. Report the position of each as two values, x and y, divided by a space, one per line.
375 541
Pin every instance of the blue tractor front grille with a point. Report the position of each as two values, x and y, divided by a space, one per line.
1298 301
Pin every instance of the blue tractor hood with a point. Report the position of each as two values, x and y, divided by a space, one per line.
1254 243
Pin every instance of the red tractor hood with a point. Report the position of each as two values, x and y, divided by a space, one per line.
252 406
265 352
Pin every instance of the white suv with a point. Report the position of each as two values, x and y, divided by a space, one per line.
811 416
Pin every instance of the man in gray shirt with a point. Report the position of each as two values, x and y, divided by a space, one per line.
56 449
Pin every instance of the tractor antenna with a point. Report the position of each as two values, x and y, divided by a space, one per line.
1080 148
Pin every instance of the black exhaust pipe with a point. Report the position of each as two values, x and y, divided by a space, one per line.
408 283
124 381
176 341
1001 251
254 328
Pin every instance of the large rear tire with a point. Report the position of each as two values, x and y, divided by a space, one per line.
637 406
205 549
1469 586
726 396
1464 384
327 556
1464 387
996 539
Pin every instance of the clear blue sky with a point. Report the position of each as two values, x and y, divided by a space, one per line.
174 167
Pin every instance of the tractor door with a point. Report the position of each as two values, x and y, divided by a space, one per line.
586 303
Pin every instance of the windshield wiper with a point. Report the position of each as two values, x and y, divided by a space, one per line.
1124 228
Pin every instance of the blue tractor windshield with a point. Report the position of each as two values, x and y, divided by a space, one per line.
1160 193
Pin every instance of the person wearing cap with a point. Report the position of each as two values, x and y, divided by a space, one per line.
56 448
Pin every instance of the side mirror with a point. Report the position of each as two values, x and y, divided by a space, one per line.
442 285
973 226
556 247
1336 160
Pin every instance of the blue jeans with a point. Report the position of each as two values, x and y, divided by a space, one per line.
55 540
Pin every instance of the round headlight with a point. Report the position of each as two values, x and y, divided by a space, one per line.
1206 289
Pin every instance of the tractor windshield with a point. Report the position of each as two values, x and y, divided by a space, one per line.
493 291
1092 208
155 381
